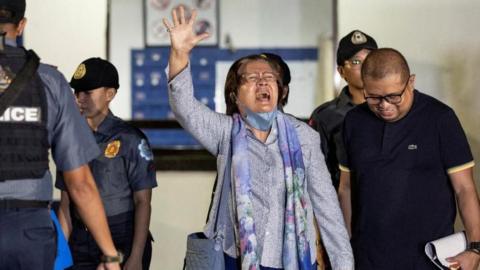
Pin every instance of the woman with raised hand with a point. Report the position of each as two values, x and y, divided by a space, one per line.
272 161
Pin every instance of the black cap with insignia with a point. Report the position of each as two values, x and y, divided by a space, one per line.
12 11
352 43
94 73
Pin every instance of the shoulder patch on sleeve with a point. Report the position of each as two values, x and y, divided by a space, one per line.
145 151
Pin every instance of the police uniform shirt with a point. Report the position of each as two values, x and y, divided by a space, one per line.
72 145
401 193
327 119
125 165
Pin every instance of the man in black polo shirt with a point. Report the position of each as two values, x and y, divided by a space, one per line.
407 161
327 118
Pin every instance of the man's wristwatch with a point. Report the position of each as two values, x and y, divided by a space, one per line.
112 259
474 247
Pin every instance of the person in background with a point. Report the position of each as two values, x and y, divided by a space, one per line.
38 114
272 160
327 118
407 161
124 173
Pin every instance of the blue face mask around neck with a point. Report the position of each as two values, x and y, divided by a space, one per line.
262 120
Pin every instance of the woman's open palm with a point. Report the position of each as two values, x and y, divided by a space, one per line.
182 34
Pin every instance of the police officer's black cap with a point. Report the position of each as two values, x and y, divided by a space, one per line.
286 71
94 73
12 11
352 43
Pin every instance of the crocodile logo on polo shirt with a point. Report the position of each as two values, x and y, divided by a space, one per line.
412 147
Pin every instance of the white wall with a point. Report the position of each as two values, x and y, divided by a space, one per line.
126 33
179 207
66 32
275 23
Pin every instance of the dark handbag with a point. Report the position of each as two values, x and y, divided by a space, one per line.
204 253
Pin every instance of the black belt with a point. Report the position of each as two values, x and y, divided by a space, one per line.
9 204
122 218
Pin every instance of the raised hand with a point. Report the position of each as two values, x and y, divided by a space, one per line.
182 37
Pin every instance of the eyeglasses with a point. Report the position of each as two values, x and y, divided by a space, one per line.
256 77
354 63
392 98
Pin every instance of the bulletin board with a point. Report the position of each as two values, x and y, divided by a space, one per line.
155 33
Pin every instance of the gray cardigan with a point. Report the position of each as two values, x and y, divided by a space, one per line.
213 130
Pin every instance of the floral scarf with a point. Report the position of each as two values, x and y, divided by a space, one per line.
296 250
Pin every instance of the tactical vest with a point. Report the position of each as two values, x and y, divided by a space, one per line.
23 126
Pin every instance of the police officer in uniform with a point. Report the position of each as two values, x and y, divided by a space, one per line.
38 114
327 119
124 172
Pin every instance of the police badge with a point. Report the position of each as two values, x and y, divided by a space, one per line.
112 149
80 72
6 78
358 38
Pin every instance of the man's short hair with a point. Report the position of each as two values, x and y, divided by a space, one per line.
384 62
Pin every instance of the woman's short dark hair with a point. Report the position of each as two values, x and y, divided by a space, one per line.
234 80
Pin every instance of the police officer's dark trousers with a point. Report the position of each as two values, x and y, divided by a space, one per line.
27 239
86 253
